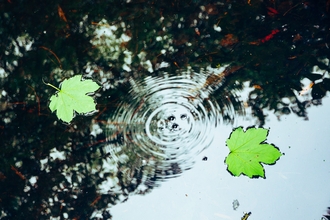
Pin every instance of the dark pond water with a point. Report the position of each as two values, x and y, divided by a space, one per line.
176 77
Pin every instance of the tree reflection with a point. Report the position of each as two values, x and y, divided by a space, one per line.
50 169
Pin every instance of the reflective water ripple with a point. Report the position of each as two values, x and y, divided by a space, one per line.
165 121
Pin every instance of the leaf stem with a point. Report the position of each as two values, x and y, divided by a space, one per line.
48 84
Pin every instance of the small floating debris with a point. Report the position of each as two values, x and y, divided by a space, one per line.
246 215
235 204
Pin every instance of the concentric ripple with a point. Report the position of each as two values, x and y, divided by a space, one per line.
167 120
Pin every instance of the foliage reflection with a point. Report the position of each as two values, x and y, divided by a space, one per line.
51 169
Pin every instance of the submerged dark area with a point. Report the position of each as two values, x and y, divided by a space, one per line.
52 169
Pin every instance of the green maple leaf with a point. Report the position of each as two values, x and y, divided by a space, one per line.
248 150
72 97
